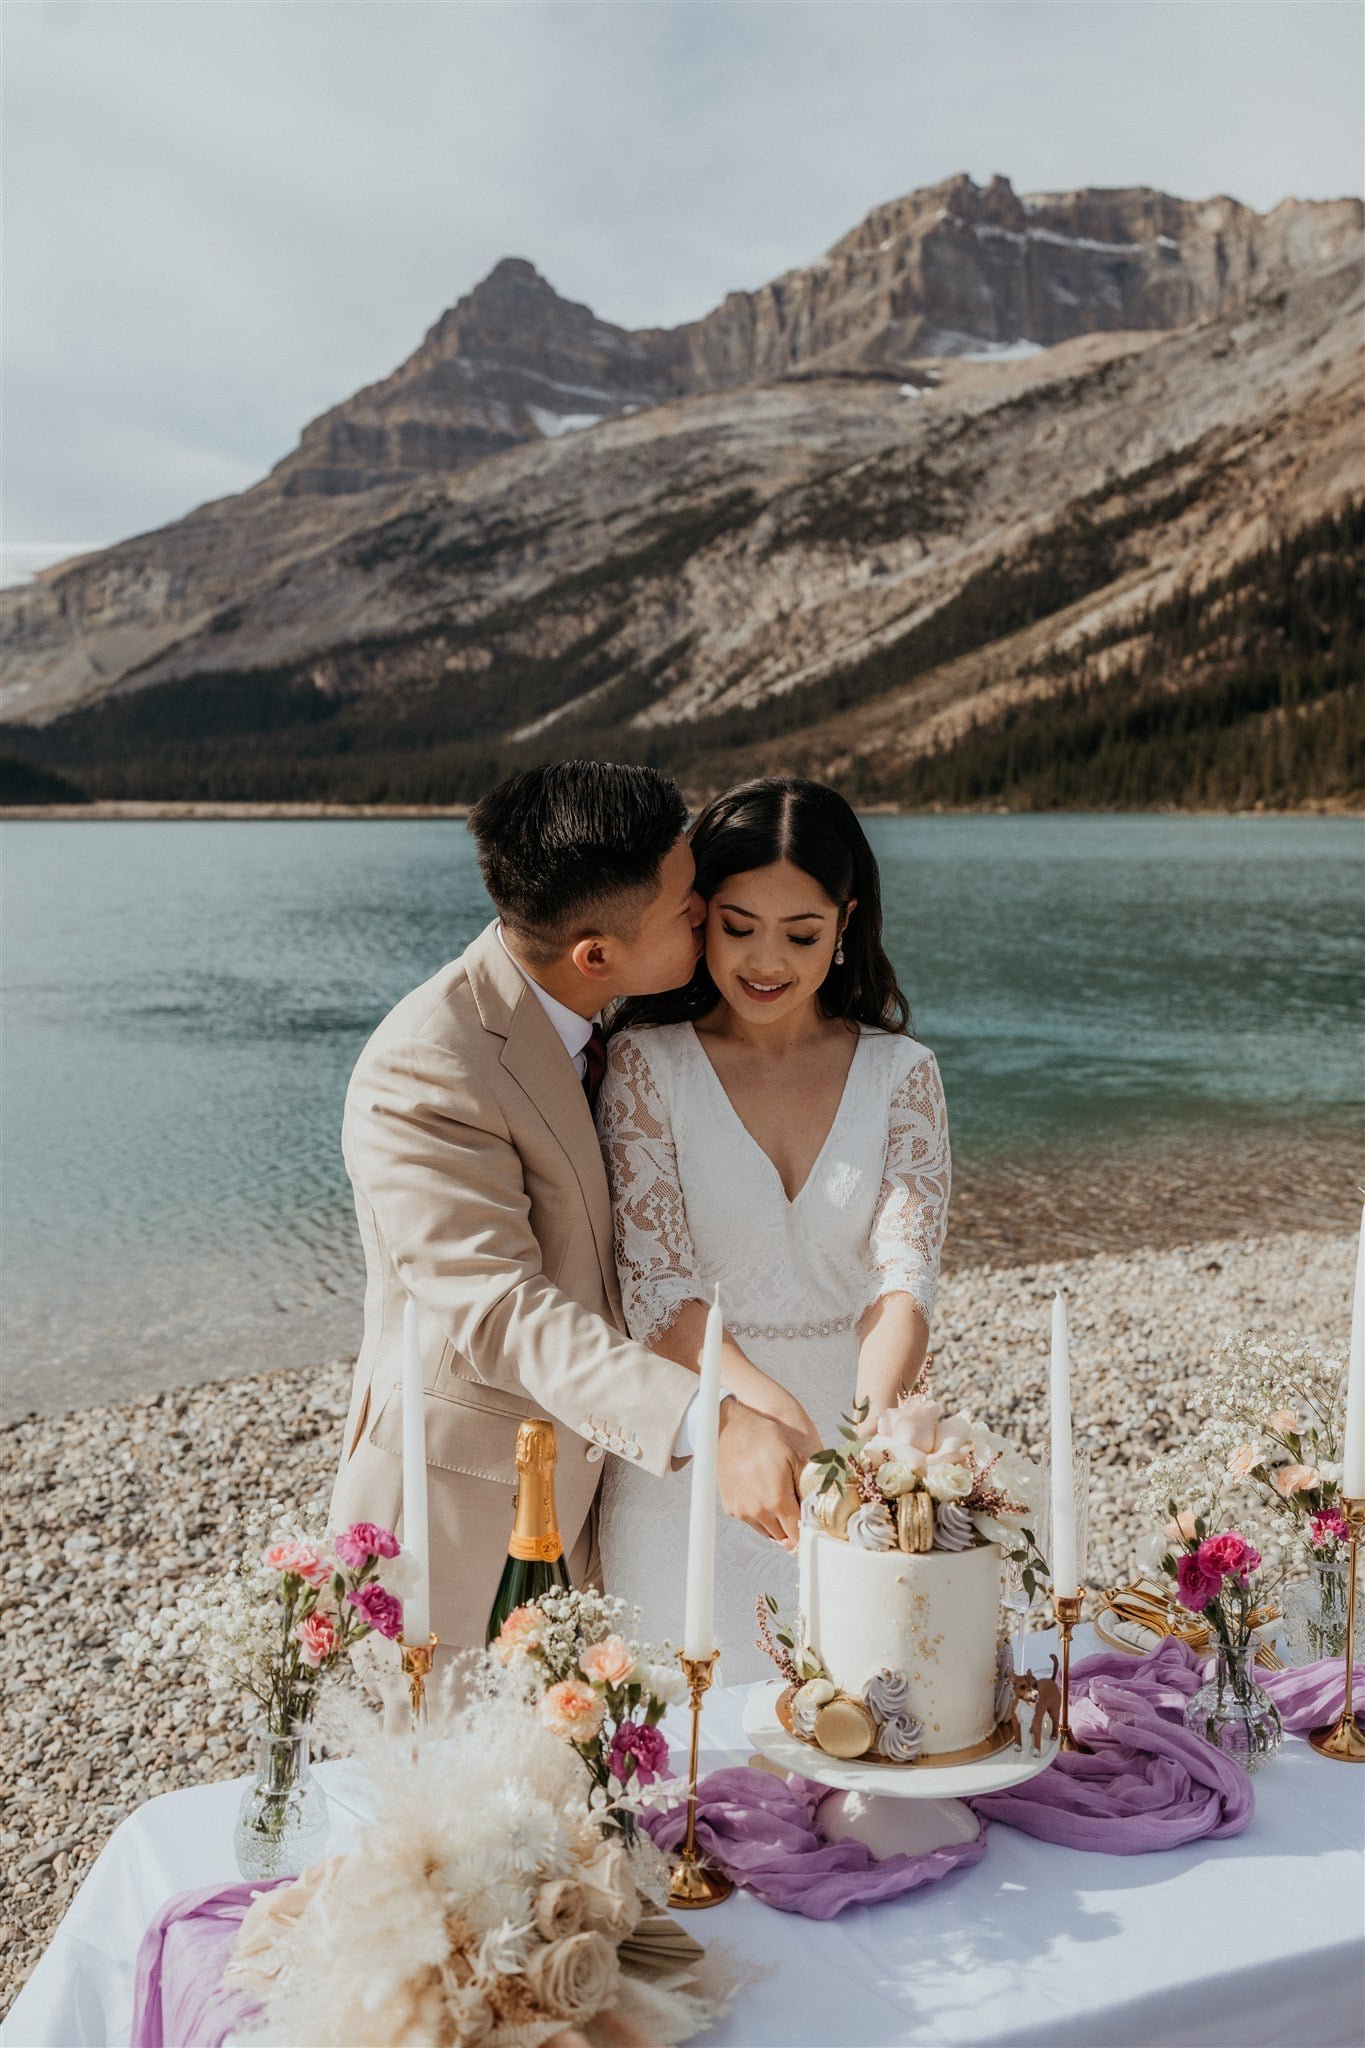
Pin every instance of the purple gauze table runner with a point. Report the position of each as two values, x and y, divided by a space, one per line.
1148 1786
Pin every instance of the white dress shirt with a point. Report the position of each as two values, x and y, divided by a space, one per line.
573 1033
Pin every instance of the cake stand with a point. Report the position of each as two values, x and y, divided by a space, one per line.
893 1809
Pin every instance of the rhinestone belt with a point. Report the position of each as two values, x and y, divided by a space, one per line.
791 1329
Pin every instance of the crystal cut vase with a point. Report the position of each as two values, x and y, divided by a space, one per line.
1231 1711
282 1820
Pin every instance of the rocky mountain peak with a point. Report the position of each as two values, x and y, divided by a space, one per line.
955 268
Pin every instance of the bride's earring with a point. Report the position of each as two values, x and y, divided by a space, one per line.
839 954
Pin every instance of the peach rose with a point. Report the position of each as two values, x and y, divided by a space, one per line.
1244 1459
1290 1479
520 1631
1183 1525
608 1662
572 1710
574 1979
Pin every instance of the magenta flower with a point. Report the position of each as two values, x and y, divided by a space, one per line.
1228 1554
1327 1526
1197 1587
380 1608
634 1746
362 1541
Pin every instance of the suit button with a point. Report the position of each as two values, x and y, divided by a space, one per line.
593 1453
632 1450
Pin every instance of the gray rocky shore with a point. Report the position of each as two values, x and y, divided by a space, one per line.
108 1511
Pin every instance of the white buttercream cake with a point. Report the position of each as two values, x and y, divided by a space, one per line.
932 1619
897 1651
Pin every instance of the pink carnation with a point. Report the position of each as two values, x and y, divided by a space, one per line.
362 1541
634 1746
1285 1422
1197 1587
380 1608
302 1559
1228 1554
318 1635
1244 1460
1328 1526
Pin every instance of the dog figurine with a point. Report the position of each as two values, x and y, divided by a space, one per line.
1044 1695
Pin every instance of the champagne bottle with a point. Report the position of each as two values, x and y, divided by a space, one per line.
535 1554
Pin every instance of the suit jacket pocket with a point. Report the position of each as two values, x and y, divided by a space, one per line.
465 1432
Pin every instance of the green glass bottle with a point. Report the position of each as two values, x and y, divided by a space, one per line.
535 1554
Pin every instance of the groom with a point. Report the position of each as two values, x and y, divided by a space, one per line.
479 1189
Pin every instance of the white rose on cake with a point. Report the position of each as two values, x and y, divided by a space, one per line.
946 1479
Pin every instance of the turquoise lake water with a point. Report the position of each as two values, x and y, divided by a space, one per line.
182 1004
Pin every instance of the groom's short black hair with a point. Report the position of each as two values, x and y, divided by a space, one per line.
575 847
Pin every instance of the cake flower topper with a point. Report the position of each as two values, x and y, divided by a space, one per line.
979 1488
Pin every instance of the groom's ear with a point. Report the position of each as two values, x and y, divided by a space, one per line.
592 957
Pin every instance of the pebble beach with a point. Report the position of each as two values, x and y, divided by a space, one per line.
112 1510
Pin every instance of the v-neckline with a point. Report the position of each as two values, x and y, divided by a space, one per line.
834 1122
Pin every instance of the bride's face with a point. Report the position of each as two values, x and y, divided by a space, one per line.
770 938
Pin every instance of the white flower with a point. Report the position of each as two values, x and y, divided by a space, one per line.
502 1952
664 1681
901 1474
948 1481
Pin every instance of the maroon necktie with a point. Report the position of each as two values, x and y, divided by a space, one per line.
595 1055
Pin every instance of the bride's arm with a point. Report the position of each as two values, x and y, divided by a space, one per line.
661 1290
905 1241
682 1342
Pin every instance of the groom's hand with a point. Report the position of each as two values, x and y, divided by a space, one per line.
757 1462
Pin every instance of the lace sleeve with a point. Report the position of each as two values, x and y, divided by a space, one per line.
655 1262
912 1206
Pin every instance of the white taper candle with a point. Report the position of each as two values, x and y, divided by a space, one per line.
416 1538
699 1628
1065 1579
1353 1443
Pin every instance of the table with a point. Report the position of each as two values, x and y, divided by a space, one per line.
1247 1943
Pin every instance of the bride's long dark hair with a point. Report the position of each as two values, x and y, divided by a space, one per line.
782 817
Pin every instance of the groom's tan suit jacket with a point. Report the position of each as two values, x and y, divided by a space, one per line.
480 1189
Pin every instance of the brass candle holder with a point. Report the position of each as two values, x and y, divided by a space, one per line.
1067 1608
417 1660
1345 1739
694 1883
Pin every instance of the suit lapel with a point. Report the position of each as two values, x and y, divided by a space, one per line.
534 1055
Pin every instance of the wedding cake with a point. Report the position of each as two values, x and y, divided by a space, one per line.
898 1651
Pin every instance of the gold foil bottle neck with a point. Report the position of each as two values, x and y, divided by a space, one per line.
535 1531
536 1446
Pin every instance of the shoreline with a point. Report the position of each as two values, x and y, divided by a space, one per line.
141 811
121 1508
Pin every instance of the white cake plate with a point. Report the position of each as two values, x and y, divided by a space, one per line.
893 1809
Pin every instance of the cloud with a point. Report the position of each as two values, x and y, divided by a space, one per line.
221 219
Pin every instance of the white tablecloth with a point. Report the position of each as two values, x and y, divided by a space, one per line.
1256 1940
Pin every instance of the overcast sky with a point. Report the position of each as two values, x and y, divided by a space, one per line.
219 219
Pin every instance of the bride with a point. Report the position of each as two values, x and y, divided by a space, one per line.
771 1127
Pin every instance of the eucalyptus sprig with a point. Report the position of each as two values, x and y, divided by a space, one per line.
834 1461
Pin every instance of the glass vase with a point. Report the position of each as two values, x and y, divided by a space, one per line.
282 1820
1315 1612
1231 1711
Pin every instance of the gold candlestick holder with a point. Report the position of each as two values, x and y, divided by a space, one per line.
1067 1608
417 1660
1345 1739
694 1883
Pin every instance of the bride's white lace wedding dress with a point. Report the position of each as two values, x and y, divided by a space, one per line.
697 1201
